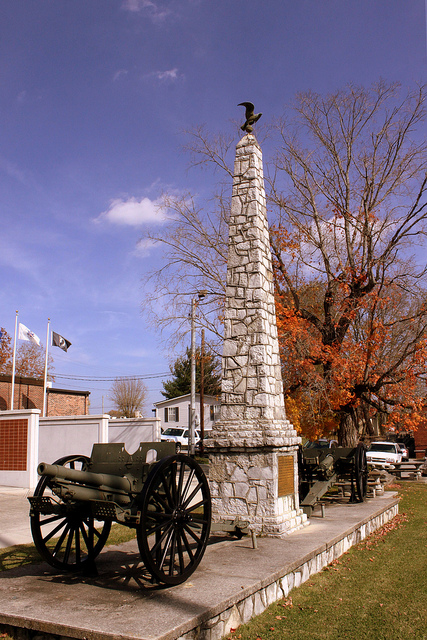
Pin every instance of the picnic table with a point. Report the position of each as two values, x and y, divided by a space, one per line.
410 466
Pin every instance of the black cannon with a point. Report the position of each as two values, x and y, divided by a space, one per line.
163 495
320 468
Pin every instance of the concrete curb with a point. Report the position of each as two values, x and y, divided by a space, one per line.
233 583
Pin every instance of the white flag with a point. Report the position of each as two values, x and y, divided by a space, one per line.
24 333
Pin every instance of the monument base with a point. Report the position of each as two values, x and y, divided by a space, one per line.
252 434
258 486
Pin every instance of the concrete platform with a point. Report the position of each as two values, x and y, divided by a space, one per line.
14 523
233 583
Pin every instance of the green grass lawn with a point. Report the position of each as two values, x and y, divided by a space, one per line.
377 590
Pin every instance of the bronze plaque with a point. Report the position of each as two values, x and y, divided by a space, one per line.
286 475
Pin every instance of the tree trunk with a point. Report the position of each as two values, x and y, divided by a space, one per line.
348 434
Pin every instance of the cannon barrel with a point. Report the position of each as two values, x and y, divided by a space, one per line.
57 471
327 463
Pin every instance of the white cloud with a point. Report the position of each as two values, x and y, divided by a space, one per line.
119 74
13 171
133 212
144 247
18 256
169 75
154 9
136 5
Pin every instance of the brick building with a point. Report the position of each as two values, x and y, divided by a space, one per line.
29 395
420 436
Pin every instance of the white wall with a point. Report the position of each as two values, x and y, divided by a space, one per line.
132 431
68 435
55 437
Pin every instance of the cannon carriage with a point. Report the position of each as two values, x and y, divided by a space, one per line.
321 468
164 496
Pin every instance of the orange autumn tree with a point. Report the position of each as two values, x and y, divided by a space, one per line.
351 297
378 368
30 358
6 351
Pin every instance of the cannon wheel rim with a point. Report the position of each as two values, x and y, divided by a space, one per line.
361 472
66 554
175 519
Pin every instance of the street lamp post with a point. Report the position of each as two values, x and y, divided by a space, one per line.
192 430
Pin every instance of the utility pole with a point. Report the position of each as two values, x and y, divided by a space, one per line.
191 432
192 429
202 390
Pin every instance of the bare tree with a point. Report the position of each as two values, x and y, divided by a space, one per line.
30 360
129 396
194 246
195 257
347 199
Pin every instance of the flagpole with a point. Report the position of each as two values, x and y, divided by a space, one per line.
45 369
12 395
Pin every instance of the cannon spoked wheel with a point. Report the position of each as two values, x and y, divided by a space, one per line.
361 472
66 535
175 519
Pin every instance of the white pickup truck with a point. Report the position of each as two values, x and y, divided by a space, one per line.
178 435
383 454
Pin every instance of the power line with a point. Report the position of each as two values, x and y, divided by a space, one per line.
149 376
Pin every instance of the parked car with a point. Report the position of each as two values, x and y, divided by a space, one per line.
178 435
383 454
403 450
321 443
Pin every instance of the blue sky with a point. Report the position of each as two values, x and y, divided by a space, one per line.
94 98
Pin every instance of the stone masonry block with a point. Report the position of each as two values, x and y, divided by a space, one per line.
246 610
241 489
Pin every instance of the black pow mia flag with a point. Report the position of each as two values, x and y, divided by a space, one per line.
60 341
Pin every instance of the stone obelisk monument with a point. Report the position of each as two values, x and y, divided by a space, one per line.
253 447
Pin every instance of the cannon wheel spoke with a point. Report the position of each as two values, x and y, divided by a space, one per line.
71 539
175 521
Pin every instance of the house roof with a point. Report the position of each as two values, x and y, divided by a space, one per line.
185 397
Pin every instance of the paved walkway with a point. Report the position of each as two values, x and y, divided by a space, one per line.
14 521
233 582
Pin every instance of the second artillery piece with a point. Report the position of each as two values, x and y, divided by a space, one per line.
162 495
320 468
